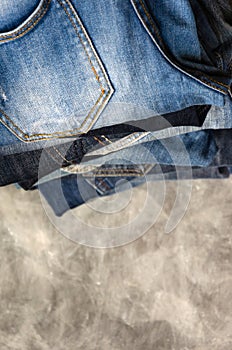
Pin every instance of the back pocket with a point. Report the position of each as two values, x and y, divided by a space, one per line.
52 81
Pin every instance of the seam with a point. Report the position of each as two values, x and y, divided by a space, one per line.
151 21
98 172
187 70
126 143
82 43
22 31
206 82
54 135
57 133
99 141
75 168
121 144
113 172
222 84
62 132
63 158
51 155
106 138
87 38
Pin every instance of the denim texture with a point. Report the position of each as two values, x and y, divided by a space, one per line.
160 17
77 190
48 65
216 118
68 66
214 27
216 154
193 149
24 166
223 139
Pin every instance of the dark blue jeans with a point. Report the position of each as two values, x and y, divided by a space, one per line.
71 191
23 166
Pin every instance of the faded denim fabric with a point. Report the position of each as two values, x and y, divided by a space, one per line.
68 66
48 65
215 152
193 149
27 166
216 118
24 166
78 190
190 150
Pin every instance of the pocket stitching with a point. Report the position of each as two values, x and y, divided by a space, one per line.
58 132
23 30
110 172
39 136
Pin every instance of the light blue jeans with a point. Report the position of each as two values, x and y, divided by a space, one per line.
69 66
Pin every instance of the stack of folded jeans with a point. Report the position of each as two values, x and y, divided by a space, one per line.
95 92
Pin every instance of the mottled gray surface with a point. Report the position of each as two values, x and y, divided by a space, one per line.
161 292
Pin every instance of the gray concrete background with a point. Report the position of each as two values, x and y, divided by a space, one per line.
161 292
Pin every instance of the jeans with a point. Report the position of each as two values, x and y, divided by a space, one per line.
200 24
69 68
69 192
63 71
193 149
214 26
190 150
24 166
